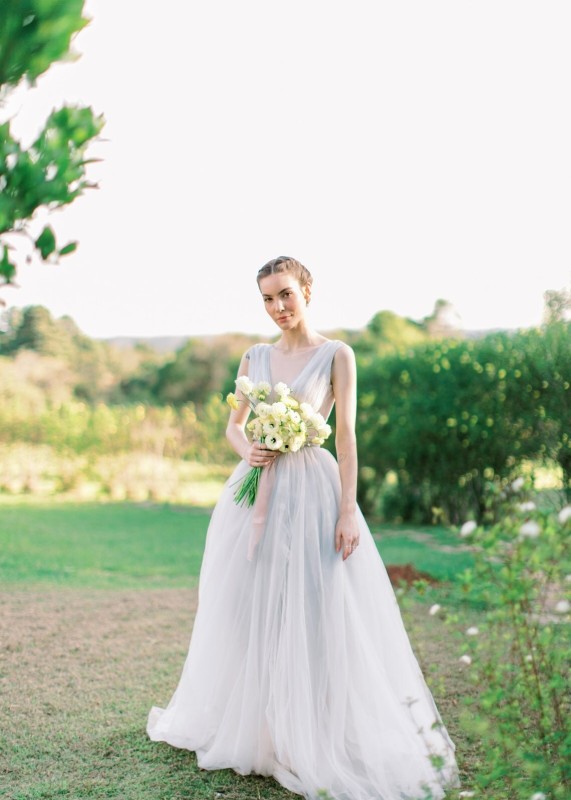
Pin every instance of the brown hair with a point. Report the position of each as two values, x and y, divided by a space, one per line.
286 264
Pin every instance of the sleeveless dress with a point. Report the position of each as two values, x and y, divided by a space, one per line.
299 665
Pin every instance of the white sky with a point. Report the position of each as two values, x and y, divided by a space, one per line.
403 151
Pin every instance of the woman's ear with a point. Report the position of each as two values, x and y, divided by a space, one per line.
307 293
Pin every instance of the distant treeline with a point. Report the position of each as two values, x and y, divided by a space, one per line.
439 415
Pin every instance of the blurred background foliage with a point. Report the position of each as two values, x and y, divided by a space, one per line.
441 414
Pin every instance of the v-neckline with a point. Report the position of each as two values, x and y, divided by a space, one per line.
293 384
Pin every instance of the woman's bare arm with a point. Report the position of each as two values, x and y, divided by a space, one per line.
344 380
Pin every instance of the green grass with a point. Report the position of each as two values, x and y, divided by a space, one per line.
118 545
438 551
97 611
126 545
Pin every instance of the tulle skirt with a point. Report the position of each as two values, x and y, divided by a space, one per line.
299 665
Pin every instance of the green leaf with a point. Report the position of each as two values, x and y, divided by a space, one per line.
7 269
69 248
46 242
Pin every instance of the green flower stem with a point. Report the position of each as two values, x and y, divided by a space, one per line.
246 492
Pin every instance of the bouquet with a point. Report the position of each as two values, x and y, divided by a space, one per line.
285 425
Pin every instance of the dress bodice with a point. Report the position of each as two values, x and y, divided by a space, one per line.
308 374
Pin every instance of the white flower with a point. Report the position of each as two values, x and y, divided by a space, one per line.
11 160
466 794
262 389
529 657
273 442
282 390
472 631
538 796
297 443
263 409
279 409
517 484
468 528
465 659
530 530
290 402
306 410
564 515
245 385
434 609
529 506
563 606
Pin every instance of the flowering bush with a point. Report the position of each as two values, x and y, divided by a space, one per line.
519 654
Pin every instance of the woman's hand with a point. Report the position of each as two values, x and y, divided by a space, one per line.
258 455
347 534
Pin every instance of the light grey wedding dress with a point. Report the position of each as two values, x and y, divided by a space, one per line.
299 664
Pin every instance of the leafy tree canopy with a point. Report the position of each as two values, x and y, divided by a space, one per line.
51 172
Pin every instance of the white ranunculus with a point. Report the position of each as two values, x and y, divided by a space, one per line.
245 385
294 417
468 528
465 659
262 388
564 515
563 606
273 442
434 609
472 631
528 506
269 426
279 409
530 530
263 409
282 389
306 410
517 484
297 443
290 401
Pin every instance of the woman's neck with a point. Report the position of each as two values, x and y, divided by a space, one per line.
292 341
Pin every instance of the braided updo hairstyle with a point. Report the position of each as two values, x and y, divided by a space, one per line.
286 264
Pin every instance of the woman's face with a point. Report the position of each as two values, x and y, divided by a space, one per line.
284 299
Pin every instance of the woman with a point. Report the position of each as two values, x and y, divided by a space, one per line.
299 665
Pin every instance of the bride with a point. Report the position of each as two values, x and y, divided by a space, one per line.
299 666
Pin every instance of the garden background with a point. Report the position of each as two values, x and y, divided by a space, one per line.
113 453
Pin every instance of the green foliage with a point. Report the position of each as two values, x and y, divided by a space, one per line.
51 172
34 34
520 652
446 417
198 369
388 333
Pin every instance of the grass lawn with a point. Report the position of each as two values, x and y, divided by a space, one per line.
122 545
97 608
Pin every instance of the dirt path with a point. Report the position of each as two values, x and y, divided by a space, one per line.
79 670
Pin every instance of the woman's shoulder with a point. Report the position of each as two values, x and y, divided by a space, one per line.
343 350
255 348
